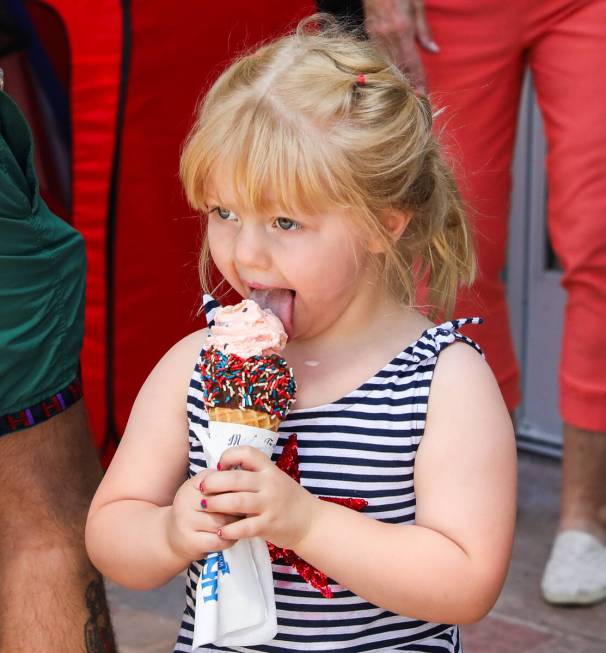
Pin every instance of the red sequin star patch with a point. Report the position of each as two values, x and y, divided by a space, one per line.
288 462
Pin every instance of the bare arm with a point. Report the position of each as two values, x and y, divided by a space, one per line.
450 566
145 523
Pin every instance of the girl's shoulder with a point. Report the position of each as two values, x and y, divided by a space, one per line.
465 390
440 337
174 370
427 340
187 350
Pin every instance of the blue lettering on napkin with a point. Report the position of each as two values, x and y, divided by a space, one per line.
214 565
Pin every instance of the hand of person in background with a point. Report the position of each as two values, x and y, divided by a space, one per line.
398 24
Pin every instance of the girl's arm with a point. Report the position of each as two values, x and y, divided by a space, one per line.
450 566
134 533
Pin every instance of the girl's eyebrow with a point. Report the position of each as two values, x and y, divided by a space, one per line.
223 201
215 201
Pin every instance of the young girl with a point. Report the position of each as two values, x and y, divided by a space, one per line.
322 185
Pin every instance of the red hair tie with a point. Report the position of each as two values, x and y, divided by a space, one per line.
361 79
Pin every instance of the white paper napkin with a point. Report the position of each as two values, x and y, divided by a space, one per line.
235 603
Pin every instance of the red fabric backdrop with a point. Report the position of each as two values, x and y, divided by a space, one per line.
136 72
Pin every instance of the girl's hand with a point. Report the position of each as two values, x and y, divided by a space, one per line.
192 529
275 506
398 24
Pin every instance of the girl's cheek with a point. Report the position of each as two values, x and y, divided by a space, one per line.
219 245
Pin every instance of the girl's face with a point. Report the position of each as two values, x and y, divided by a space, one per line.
319 259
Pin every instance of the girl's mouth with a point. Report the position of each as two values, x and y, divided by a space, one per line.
280 301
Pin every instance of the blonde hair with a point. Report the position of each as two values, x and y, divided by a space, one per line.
293 126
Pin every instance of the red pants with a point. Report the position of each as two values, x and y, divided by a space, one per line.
485 46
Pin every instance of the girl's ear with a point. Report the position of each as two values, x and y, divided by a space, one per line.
394 223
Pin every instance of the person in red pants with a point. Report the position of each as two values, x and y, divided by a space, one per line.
472 59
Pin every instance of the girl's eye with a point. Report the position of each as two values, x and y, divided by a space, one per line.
286 224
224 214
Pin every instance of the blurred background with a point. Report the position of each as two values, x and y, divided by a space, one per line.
110 89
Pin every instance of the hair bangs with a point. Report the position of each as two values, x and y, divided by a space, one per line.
274 164
200 156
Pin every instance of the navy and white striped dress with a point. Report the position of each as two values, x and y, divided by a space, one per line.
362 445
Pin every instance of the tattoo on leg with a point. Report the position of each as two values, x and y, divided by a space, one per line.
97 630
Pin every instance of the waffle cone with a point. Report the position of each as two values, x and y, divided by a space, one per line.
245 416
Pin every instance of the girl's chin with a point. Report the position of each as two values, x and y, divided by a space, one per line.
303 330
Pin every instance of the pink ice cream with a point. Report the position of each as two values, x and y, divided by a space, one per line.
246 330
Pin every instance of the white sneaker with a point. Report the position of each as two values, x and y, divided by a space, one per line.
575 573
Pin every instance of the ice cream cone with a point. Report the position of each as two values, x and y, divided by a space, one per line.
244 378
244 416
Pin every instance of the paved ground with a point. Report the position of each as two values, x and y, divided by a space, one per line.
146 622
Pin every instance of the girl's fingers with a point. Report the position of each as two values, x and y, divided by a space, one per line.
242 529
197 481
211 522
234 503
236 480
248 458
211 542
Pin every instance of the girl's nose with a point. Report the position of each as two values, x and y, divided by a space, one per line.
251 248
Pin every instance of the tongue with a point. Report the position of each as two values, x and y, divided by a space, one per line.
279 301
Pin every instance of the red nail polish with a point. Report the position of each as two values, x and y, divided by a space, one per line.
220 532
218 467
201 487
203 503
